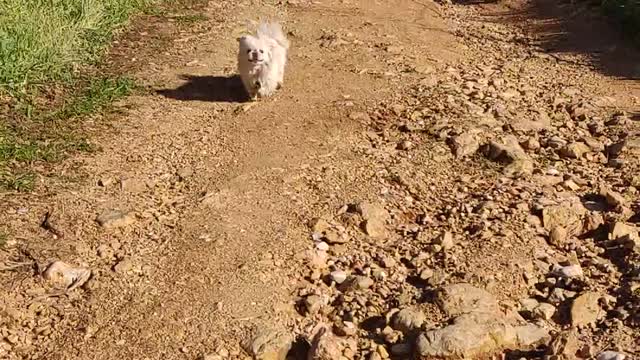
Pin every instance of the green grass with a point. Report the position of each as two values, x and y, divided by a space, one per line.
50 135
44 45
50 76
47 40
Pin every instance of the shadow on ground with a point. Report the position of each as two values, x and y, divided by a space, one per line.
208 88
570 27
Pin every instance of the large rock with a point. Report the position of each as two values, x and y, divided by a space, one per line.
507 150
65 276
625 235
408 320
457 299
269 344
574 150
475 334
567 214
324 344
464 144
586 309
375 216
479 327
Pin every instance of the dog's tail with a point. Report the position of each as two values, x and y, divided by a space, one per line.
274 31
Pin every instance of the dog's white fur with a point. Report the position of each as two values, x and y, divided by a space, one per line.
261 60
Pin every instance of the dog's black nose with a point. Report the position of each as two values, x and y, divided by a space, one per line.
258 85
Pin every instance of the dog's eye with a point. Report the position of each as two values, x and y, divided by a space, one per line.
249 51
261 51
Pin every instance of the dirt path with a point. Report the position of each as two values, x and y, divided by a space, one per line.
222 192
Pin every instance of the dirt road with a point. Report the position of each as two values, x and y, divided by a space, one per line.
441 144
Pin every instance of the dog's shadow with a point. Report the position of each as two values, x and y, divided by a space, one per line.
208 88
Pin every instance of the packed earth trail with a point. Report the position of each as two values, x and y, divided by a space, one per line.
433 181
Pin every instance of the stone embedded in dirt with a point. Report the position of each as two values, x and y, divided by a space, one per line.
544 311
113 218
531 144
374 228
620 230
568 272
529 304
465 144
586 309
324 344
185 173
268 344
123 266
405 145
574 150
475 334
626 235
322 246
565 345
611 355
613 198
461 298
313 304
567 214
317 259
540 122
445 240
65 276
332 236
132 185
375 217
426 274
355 283
558 236
508 150
338 276
593 221
408 320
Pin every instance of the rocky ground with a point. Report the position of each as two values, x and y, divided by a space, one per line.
432 183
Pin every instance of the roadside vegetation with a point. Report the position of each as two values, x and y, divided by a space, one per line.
51 76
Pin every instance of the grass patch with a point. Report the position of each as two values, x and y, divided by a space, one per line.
49 136
52 75
46 47
47 40
98 94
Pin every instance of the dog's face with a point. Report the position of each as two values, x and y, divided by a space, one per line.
254 50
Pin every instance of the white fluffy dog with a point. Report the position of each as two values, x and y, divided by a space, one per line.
262 59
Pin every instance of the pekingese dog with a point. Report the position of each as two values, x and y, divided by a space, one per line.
261 60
